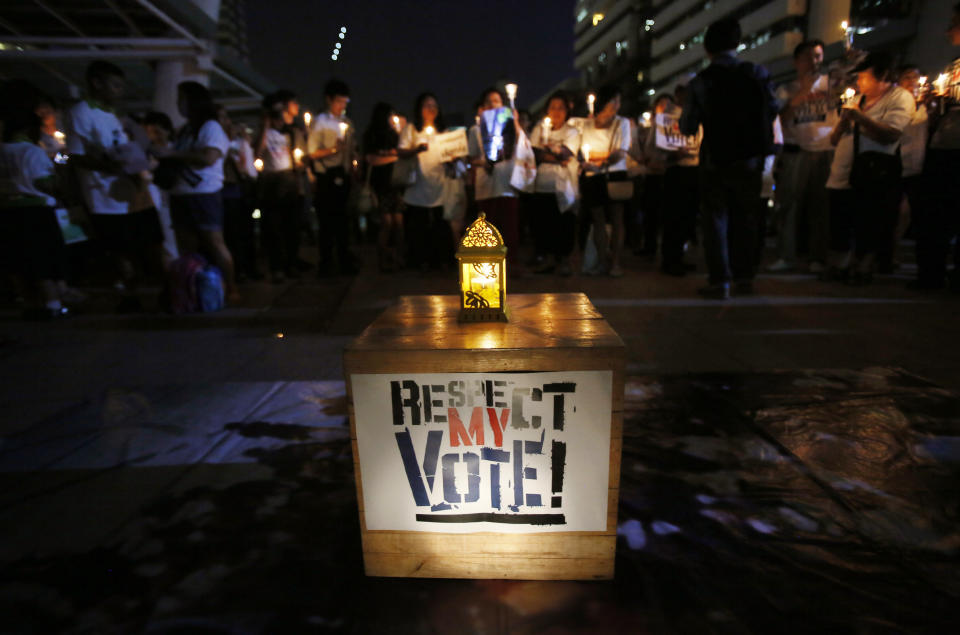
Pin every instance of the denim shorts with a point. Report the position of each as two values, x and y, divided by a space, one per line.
199 212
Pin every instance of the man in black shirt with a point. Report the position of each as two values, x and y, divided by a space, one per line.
734 102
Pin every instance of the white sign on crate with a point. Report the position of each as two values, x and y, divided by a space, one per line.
484 452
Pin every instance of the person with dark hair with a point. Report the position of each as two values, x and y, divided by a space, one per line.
196 201
280 189
380 142
913 150
494 154
937 222
331 149
428 234
604 142
734 102
864 196
238 177
31 243
123 214
555 144
808 116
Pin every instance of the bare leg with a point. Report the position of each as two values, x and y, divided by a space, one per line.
213 241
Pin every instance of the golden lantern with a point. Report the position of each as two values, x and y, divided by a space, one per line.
482 259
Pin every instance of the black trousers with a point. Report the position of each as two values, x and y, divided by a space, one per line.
428 235
681 204
556 231
330 203
863 220
651 210
936 220
730 207
238 227
280 203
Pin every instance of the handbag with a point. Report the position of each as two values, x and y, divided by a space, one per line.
404 172
873 169
619 184
363 200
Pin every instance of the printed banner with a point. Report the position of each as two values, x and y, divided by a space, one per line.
669 136
450 145
473 452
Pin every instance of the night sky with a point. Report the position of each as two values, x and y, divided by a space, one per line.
397 49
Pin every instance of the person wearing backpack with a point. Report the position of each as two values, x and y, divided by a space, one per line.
735 103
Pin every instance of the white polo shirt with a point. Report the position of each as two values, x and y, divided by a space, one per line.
93 130
22 164
324 132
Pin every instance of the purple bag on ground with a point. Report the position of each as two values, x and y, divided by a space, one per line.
182 283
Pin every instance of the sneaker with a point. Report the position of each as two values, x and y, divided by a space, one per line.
780 266
816 267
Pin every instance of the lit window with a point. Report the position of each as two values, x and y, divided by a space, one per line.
583 14
682 46
651 92
597 18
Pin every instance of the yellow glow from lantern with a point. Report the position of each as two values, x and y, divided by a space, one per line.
482 261
481 283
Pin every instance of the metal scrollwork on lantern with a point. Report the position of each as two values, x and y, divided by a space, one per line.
482 260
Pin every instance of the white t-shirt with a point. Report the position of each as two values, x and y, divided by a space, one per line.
810 122
22 164
276 152
211 135
324 132
429 188
604 141
496 183
896 109
92 130
549 174
244 150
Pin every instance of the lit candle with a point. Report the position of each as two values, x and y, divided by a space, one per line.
848 96
591 98
298 155
306 119
546 130
586 151
343 129
646 119
429 130
59 136
258 164
512 95
396 122
923 80
847 35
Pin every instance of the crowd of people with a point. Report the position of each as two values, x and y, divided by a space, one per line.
838 164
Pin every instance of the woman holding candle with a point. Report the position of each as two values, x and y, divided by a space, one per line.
494 155
380 153
604 142
279 187
196 202
428 234
555 145
864 178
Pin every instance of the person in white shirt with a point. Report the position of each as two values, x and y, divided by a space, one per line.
428 234
109 168
31 243
863 210
913 151
238 176
555 144
331 149
281 195
808 116
196 202
604 142
495 196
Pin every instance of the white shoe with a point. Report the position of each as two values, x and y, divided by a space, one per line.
780 266
816 267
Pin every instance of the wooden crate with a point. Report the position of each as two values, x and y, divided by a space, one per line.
547 332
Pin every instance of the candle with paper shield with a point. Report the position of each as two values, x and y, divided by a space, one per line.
59 136
585 148
258 164
591 98
546 131
847 97
646 119
343 129
396 122
940 84
512 95
307 117
298 155
847 35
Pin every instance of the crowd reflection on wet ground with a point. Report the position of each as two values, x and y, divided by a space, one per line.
759 503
